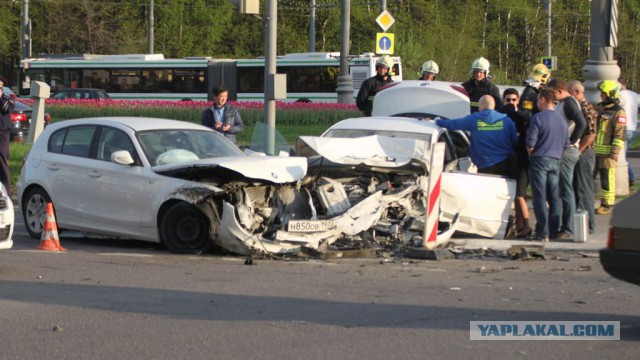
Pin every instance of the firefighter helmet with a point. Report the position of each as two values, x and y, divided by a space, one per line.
540 73
610 88
430 66
481 64
385 61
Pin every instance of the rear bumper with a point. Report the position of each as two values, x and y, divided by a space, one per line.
623 265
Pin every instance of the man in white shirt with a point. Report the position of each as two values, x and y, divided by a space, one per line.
630 105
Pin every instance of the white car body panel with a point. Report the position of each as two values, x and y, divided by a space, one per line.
6 220
370 150
483 202
418 96
280 169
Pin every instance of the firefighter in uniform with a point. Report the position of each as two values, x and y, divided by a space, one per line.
480 85
372 85
609 141
538 78
429 70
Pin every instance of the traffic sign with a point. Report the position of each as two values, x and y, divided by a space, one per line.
385 20
384 43
550 62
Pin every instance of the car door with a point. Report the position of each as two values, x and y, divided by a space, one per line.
483 202
115 191
66 162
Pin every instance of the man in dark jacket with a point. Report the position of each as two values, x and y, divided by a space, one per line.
6 107
222 116
372 85
480 85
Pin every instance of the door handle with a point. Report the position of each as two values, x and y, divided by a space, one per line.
94 174
52 166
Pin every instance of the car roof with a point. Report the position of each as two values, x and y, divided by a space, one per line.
135 123
388 123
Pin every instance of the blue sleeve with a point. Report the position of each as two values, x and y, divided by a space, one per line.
467 123
532 135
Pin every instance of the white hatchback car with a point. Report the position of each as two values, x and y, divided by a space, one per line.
186 186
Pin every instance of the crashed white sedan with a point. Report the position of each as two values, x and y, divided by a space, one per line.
482 203
184 185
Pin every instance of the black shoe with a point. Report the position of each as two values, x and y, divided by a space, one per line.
525 232
535 237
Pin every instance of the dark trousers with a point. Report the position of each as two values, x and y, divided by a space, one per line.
584 185
5 177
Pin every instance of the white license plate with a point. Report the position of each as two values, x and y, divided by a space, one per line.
310 225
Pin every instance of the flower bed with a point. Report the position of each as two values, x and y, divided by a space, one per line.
287 113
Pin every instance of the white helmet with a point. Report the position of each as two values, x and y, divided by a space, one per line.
430 66
481 64
386 61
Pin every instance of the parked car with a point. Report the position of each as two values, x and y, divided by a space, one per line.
184 185
81 93
21 122
482 202
621 258
6 219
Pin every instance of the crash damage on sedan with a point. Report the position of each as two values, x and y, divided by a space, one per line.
369 194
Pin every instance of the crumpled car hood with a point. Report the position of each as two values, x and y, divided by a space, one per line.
373 150
269 168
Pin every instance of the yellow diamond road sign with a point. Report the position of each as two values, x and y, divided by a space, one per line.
385 20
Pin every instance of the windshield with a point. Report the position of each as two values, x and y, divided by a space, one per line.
356 133
163 147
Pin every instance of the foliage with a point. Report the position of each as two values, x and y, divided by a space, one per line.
512 34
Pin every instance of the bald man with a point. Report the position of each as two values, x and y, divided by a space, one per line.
493 138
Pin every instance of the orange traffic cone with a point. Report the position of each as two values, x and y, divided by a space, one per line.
49 240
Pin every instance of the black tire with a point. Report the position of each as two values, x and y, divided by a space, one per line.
34 211
184 229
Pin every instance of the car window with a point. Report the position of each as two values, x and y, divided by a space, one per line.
112 140
74 141
61 95
176 146
100 94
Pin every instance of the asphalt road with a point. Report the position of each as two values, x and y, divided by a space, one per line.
105 299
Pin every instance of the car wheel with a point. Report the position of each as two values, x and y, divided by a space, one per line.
184 229
34 211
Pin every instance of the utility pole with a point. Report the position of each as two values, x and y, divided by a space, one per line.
312 26
26 30
271 23
345 83
383 5
150 36
548 27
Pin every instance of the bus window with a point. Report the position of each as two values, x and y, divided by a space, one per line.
95 79
156 81
250 80
126 80
189 81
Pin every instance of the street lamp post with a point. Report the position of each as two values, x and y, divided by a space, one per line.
345 83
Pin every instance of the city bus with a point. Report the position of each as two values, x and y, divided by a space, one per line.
312 76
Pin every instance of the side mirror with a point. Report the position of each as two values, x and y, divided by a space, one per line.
122 157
